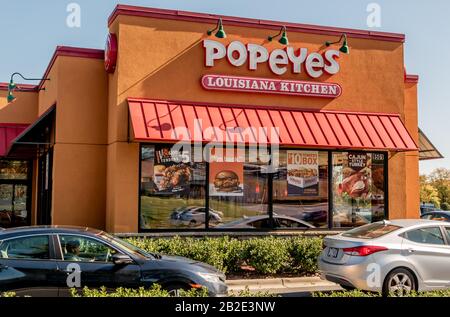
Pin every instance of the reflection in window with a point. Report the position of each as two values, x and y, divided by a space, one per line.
358 188
300 188
172 189
13 169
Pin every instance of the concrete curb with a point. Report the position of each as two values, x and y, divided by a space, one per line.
283 285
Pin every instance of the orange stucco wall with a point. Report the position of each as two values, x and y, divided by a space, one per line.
78 87
23 110
164 59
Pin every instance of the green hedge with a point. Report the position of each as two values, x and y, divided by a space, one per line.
268 255
157 291
358 293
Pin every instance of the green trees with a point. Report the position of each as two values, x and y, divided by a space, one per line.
435 188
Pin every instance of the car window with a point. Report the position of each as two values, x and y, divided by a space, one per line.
260 224
29 248
83 249
288 223
371 231
430 235
427 217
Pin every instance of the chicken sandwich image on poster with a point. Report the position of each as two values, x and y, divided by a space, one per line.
303 173
226 179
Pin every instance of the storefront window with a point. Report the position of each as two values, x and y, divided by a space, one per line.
14 193
238 191
300 188
358 188
172 189
13 169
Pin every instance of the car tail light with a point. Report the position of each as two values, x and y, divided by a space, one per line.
364 250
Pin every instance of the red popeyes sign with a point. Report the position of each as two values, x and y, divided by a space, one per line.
238 54
271 86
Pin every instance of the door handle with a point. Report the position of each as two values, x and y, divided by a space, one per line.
410 250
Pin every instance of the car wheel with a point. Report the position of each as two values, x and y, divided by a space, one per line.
192 223
399 282
174 289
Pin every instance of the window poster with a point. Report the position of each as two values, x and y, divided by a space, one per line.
172 171
303 173
356 177
226 179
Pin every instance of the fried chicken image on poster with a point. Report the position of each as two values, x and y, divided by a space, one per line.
356 177
172 171
303 173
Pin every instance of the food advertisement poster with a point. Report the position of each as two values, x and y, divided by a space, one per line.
172 171
356 177
303 173
226 179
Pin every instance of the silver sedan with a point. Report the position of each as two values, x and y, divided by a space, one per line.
392 257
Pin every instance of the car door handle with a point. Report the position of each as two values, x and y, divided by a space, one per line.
411 250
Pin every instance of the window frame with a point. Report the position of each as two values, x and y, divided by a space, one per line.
51 246
207 228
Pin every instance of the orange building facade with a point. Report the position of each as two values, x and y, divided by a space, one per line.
93 145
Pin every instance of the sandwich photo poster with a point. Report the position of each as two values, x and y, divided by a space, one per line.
303 173
226 179
172 171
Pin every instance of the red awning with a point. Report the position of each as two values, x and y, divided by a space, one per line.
8 132
165 121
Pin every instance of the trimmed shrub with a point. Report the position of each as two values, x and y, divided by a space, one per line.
304 253
267 255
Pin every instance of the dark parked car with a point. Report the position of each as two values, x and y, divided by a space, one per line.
42 261
437 215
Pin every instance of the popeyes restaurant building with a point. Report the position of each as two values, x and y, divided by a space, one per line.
94 143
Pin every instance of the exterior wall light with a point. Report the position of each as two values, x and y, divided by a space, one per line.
12 85
344 48
283 39
220 31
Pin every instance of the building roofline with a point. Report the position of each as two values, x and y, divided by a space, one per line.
20 87
411 79
247 22
72 52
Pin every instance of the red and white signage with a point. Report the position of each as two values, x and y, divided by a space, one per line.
279 60
271 86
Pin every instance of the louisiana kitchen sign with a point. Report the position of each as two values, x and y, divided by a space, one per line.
238 54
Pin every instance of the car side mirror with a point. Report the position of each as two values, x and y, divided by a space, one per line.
121 259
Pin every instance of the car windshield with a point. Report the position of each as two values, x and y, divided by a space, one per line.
371 231
129 247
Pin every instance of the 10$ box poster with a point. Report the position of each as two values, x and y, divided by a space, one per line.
303 173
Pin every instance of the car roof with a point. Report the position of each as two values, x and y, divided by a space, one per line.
443 212
405 223
20 231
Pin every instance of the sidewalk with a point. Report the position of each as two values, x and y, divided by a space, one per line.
283 285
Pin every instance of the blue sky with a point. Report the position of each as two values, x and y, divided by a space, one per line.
32 29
